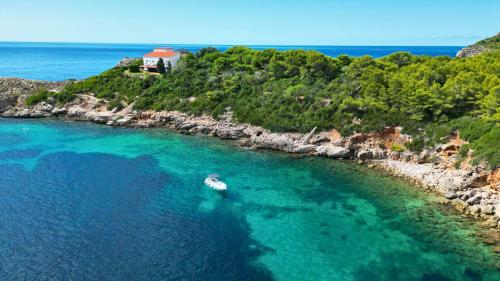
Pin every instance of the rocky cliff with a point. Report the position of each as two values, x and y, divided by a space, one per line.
471 51
13 91
488 44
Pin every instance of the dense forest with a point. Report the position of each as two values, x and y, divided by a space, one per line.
297 90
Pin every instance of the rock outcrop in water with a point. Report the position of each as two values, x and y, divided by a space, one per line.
473 190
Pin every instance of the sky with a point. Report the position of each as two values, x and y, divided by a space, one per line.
251 22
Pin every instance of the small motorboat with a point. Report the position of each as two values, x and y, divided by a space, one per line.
213 182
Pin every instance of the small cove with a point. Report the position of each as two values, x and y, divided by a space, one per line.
87 202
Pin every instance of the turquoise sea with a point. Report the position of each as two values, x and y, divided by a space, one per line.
86 202
61 61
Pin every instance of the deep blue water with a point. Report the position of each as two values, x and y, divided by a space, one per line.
85 202
60 61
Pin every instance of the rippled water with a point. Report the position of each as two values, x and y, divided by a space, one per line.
85 202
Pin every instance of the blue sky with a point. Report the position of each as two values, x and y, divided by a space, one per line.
268 22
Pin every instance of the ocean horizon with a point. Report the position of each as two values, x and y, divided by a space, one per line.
57 61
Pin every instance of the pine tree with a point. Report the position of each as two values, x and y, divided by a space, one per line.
169 67
161 66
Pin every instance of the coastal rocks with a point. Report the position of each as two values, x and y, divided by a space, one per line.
26 86
57 111
474 210
365 154
273 141
440 180
456 185
127 110
43 107
126 61
229 132
424 157
77 112
305 149
14 91
487 209
7 101
124 121
334 151
308 137
471 51
319 138
474 200
450 195
103 117
17 112
253 130
496 212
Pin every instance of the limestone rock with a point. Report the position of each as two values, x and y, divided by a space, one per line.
229 132
334 151
487 209
450 195
364 155
124 121
302 149
322 137
274 141
126 61
308 136
76 111
103 117
475 209
471 51
57 111
474 200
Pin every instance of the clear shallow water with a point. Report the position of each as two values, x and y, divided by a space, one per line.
85 202
61 61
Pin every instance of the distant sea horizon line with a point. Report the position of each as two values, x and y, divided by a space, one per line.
228 44
58 61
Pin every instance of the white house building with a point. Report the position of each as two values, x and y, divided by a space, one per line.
167 54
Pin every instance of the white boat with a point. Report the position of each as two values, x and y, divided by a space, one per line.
213 182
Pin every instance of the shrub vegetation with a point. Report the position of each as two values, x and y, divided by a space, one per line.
41 95
296 90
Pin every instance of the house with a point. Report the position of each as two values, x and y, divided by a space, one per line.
167 54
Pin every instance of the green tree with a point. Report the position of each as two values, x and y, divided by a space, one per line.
169 67
400 58
160 65
296 90
134 66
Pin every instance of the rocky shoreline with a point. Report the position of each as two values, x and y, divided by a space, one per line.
474 191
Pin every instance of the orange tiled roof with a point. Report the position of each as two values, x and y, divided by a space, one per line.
161 54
